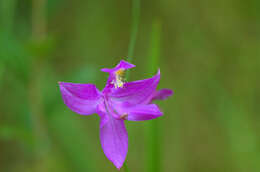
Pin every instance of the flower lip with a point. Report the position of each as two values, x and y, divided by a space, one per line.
122 65
116 74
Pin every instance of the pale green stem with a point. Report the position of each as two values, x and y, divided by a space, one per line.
125 167
34 88
134 31
154 126
133 37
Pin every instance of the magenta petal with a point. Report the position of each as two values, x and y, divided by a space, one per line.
162 94
140 112
136 92
114 140
125 65
80 98
121 65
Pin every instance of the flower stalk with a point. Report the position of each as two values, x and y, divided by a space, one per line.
153 127
126 167
39 34
134 31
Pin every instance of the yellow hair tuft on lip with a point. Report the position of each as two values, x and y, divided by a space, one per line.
119 80
120 72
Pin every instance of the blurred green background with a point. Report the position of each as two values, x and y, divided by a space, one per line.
208 53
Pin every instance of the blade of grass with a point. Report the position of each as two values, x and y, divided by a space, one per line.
153 126
154 46
134 31
36 105
133 37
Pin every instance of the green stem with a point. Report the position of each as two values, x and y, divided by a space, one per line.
125 167
34 86
154 126
133 36
134 30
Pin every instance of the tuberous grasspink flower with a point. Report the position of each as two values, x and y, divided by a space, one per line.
118 101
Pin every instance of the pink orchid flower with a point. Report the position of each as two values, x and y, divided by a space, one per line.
118 101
